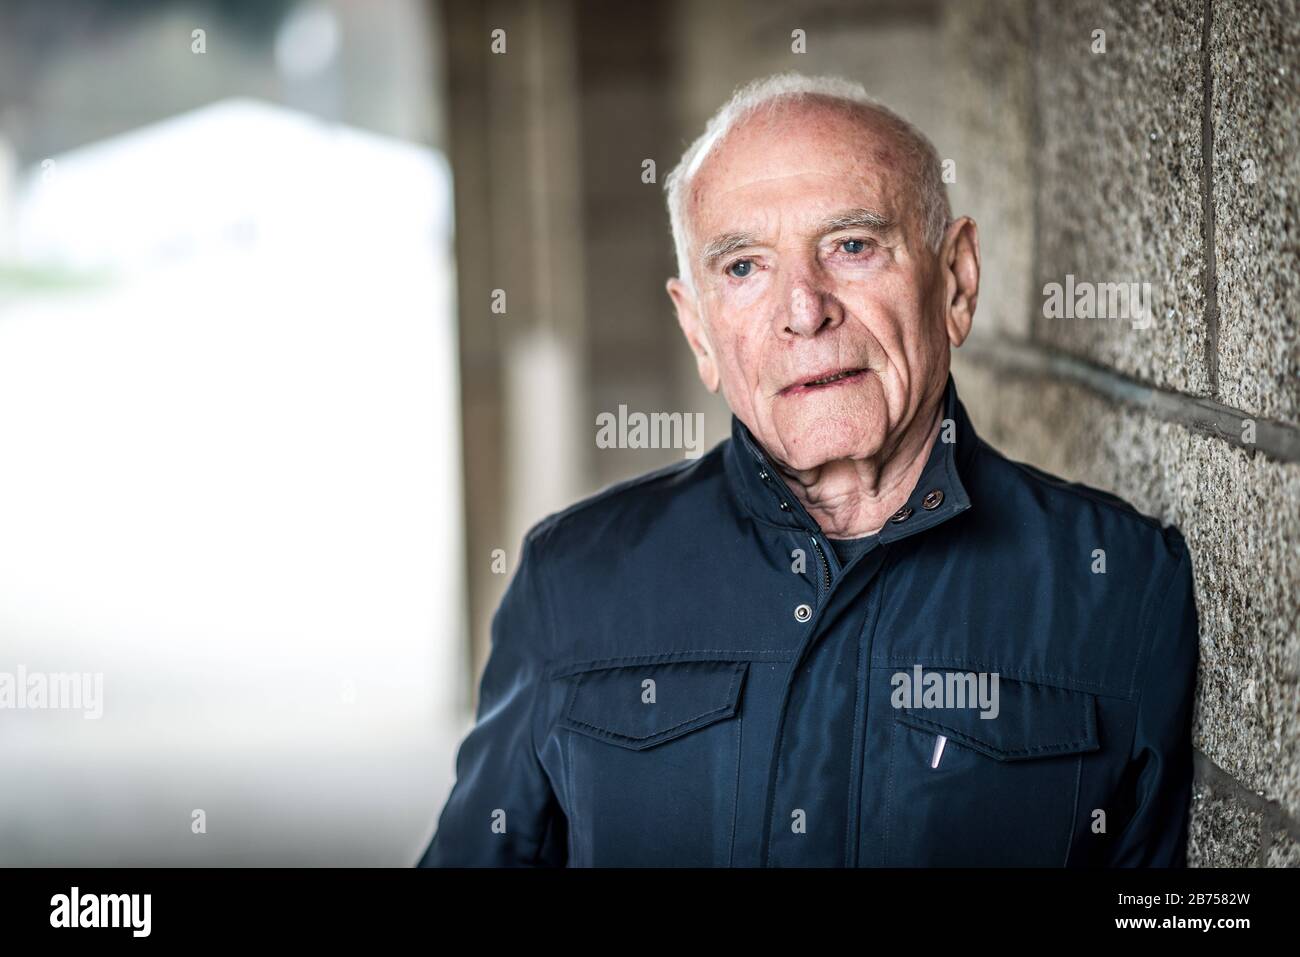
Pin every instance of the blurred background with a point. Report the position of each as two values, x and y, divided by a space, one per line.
308 308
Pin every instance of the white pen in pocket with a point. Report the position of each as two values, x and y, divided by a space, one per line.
939 742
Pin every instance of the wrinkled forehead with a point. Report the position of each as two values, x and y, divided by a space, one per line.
811 155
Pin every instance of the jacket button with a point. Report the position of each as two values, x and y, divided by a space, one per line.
785 506
803 613
901 515
763 475
933 499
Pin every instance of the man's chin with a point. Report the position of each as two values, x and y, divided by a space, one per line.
812 429
810 445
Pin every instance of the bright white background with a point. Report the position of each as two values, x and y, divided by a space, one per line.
229 481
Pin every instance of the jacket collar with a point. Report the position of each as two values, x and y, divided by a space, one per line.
937 496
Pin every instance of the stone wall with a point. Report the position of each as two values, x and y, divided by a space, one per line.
1169 158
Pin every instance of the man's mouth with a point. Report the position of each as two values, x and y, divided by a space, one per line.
824 381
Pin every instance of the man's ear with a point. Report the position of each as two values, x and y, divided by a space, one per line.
688 317
959 259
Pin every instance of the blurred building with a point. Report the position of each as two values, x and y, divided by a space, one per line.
230 430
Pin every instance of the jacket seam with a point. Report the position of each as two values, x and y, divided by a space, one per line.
1126 511
537 584
1074 811
547 524
735 801
889 793
855 785
862 693
575 834
569 668
1065 682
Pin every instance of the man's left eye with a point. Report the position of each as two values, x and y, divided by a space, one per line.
853 246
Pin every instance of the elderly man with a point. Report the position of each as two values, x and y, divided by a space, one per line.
853 634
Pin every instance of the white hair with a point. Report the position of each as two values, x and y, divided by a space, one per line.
762 94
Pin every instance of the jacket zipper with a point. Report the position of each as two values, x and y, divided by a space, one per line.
821 556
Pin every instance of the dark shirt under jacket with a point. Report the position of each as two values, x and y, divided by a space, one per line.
847 549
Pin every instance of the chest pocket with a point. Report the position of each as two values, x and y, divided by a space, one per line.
965 790
651 754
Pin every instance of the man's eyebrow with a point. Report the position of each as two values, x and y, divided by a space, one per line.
856 219
724 245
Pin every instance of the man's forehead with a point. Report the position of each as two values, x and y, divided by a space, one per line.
820 160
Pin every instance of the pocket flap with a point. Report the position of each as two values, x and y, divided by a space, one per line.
639 706
1032 721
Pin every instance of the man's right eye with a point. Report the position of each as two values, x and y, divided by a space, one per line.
740 268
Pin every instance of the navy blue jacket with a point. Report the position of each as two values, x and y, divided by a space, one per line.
682 674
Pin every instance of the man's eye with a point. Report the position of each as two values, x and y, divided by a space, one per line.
854 246
740 268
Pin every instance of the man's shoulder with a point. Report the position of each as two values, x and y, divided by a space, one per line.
678 491
1074 509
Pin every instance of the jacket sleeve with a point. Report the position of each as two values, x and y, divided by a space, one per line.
502 811
1161 755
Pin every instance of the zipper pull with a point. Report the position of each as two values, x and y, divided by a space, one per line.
939 742
826 565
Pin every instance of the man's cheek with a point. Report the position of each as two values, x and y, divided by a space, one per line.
899 329
747 295
741 377
738 336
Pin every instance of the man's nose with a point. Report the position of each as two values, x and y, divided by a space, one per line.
811 311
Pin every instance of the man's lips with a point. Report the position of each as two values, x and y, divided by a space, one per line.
830 379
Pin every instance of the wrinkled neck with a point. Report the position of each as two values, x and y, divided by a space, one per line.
851 498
